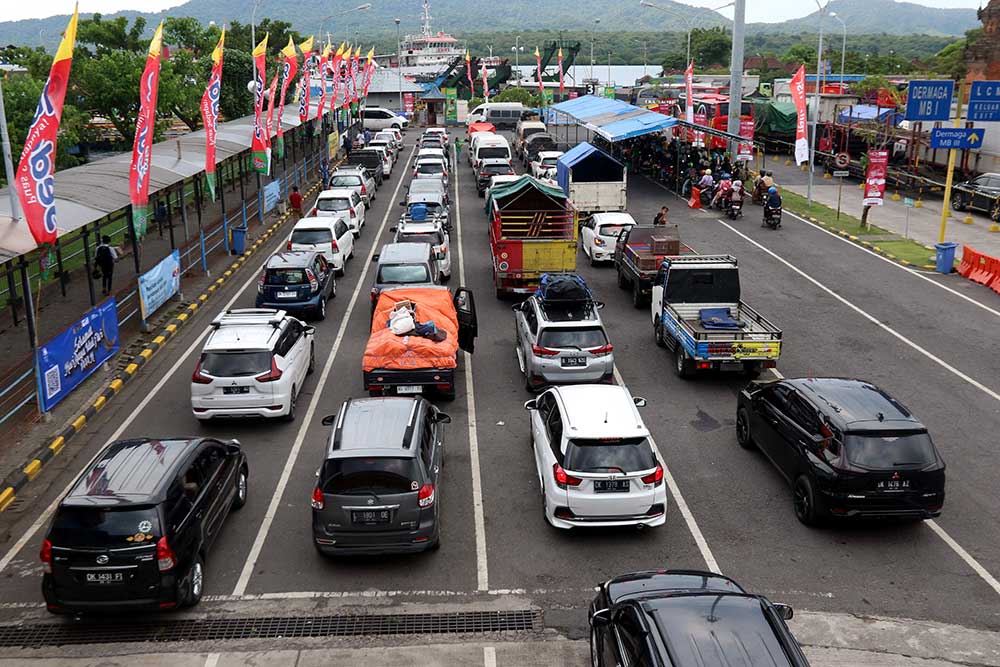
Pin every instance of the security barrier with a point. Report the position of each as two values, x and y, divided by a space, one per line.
980 268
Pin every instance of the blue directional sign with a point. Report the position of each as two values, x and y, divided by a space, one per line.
984 102
929 100
957 137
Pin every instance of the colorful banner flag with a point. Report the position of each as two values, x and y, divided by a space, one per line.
468 73
210 112
356 72
486 84
562 85
798 88
272 94
345 75
259 150
538 73
289 69
338 59
369 71
34 179
744 151
689 93
324 63
878 167
145 126
306 47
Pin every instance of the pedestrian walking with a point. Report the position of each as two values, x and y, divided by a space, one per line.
105 259
324 171
295 201
661 218
458 147
160 214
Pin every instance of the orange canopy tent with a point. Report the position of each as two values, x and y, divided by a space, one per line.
481 127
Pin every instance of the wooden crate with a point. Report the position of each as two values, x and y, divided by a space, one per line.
665 245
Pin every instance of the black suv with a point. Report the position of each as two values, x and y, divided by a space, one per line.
134 530
688 617
488 171
847 447
378 487
982 193
298 281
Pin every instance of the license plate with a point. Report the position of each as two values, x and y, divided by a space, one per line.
611 486
573 362
893 485
416 389
731 365
236 390
286 295
105 577
370 516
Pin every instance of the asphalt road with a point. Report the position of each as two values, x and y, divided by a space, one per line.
928 347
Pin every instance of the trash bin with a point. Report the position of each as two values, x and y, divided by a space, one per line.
239 244
945 257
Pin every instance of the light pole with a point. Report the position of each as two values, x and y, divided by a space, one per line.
816 97
253 24
517 49
843 49
359 8
399 65
645 58
609 68
688 21
593 38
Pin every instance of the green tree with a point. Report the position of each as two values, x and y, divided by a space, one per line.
800 54
710 46
522 95
237 70
674 61
277 31
951 59
99 37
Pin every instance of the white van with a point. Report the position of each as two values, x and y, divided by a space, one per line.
490 148
379 118
503 115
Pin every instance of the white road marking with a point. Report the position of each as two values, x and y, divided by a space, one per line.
489 656
682 506
964 555
482 566
293 455
212 659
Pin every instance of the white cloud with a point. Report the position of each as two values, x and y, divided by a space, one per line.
38 9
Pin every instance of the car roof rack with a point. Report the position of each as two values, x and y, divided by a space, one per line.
338 429
244 316
410 425
700 259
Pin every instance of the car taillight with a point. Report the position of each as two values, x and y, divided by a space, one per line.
288 245
271 375
198 377
260 284
364 190
425 497
165 558
374 294
562 478
655 478
317 501
602 351
45 555
353 213
313 283
333 246
543 351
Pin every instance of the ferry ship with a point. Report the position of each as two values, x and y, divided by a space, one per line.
428 53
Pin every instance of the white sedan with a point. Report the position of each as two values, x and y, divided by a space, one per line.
599 234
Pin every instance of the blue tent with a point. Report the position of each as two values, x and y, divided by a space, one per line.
612 119
587 163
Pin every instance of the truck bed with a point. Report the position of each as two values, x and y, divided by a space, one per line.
757 328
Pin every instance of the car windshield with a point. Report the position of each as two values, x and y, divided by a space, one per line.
331 204
286 277
609 454
882 451
345 181
430 168
573 337
362 476
488 152
611 230
311 236
433 238
104 527
403 274
235 364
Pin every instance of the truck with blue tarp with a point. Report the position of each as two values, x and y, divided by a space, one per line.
593 180
698 314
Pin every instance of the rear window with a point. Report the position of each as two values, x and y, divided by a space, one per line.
528 131
611 230
609 455
433 238
377 475
402 274
333 204
104 527
235 364
889 450
430 168
345 181
496 170
312 236
573 337
285 277
550 161
488 152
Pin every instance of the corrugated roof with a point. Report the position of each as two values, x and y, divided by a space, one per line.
612 119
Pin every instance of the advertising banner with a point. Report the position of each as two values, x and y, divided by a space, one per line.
332 145
609 92
798 87
72 356
289 67
699 137
306 47
450 104
210 112
272 193
145 124
878 167
408 102
689 93
745 151
259 149
159 284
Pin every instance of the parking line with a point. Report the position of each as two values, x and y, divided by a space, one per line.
489 656
300 436
482 567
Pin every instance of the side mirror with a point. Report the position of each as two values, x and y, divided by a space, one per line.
639 401
402 203
531 405
329 420
310 330
600 617
233 446
785 611
393 229
375 257
598 304
442 418
317 472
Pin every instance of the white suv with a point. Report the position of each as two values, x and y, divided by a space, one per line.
595 460
330 236
254 364
378 118
343 203
599 234
434 233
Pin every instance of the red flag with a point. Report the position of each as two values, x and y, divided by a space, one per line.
324 63
798 88
538 73
468 73
562 86
369 71
34 178
338 59
486 84
306 47
291 67
259 150
689 92
210 112
272 93
145 125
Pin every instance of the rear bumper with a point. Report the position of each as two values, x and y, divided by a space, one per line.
603 373
883 506
200 412
369 543
63 601
608 522
387 381
310 306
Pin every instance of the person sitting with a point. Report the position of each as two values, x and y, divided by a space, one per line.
725 185
706 182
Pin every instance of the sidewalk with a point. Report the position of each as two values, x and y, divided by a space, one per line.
924 223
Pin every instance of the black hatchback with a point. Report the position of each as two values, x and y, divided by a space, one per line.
133 531
847 448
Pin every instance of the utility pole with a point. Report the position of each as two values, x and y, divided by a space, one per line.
736 72
399 65
811 165
8 163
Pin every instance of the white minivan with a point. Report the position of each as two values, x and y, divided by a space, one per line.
490 148
503 115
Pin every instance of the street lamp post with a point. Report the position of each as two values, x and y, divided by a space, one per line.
517 49
399 65
253 24
843 49
688 22
609 69
816 98
593 38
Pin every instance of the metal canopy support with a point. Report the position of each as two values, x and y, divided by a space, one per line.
88 266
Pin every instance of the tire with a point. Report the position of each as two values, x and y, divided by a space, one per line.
958 202
807 508
638 301
622 283
290 417
194 583
241 490
312 359
593 262
321 313
995 213
743 436
445 277
681 365
337 273
658 334
435 545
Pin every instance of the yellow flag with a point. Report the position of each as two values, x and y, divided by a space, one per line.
340 51
537 54
261 48
371 54
326 52
307 45
69 38
217 51
157 41
289 51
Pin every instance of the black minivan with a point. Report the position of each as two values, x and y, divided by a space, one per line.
134 530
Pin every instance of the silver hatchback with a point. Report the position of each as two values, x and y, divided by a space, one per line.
561 343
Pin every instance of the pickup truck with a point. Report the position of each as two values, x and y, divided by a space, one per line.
413 364
698 314
638 254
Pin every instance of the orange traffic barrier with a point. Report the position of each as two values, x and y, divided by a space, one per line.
981 272
695 201
970 260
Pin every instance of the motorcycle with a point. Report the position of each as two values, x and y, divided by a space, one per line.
772 217
735 208
759 193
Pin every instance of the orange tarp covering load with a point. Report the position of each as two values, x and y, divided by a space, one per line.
481 127
387 350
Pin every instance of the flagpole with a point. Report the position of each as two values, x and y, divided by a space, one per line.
8 164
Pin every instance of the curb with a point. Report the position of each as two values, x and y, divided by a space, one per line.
24 474
869 245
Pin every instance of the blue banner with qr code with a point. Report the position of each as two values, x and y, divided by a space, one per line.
71 357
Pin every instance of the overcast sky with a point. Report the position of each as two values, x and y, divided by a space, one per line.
776 10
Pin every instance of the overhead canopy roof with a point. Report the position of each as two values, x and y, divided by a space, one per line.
612 119
587 163
89 192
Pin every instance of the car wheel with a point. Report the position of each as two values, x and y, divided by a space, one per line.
593 262
341 271
958 202
658 334
681 365
743 436
622 283
290 415
312 359
194 583
321 314
807 509
445 277
637 299
241 489
995 213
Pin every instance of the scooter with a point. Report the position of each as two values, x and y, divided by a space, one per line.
772 217
735 208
